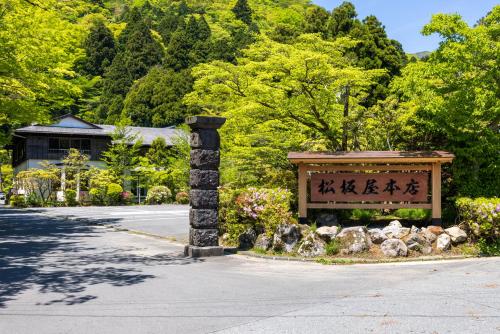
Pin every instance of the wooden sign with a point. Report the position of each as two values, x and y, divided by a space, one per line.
370 180
369 187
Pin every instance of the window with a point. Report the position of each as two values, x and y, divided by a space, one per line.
64 144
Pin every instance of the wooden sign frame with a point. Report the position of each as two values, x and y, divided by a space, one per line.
370 161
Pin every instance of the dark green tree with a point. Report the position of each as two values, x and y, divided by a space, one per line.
183 8
137 53
156 99
168 25
343 20
177 55
99 49
204 31
316 21
243 12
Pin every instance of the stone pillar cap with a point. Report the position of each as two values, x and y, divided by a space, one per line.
205 122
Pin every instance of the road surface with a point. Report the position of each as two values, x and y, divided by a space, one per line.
61 276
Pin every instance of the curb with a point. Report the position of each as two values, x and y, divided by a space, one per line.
350 261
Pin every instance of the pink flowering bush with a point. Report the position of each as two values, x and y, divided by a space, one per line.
259 208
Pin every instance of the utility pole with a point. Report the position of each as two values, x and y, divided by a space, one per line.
346 94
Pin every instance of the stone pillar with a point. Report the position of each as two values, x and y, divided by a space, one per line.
204 181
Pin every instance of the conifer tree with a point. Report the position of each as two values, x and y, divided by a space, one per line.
137 53
177 55
99 49
168 25
343 20
316 21
243 12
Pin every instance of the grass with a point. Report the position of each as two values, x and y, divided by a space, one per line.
314 227
332 248
259 251
326 261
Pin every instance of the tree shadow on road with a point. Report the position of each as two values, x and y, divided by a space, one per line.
48 253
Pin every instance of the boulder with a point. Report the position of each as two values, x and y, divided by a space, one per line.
394 248
417 242
428 235
263 242
286 237
414 229
456 234
437 230
247 239
327 219
443 242
354 240
304 230
395 223
311 246
395 230
327 233
377 236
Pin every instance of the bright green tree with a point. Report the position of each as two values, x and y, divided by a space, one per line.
38 49
123 154
455 99
297 83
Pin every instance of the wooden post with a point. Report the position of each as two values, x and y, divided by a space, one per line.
302 194
436 193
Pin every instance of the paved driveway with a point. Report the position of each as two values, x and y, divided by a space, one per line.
60 276
163 220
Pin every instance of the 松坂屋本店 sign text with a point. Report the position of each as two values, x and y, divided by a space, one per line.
369 187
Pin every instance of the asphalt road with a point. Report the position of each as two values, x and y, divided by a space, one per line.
60 276
163 220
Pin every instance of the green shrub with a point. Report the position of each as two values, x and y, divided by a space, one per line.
18 201
33 200
182 197
158 195
413 214
113 193
332 248
481 216
262 209
97 196
491 248
70 196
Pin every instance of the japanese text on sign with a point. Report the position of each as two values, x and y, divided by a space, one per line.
351 187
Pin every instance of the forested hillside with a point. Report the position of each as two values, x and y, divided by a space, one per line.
288 75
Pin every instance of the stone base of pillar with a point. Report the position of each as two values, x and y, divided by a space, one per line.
193 251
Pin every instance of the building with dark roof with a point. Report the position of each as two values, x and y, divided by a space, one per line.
36 143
